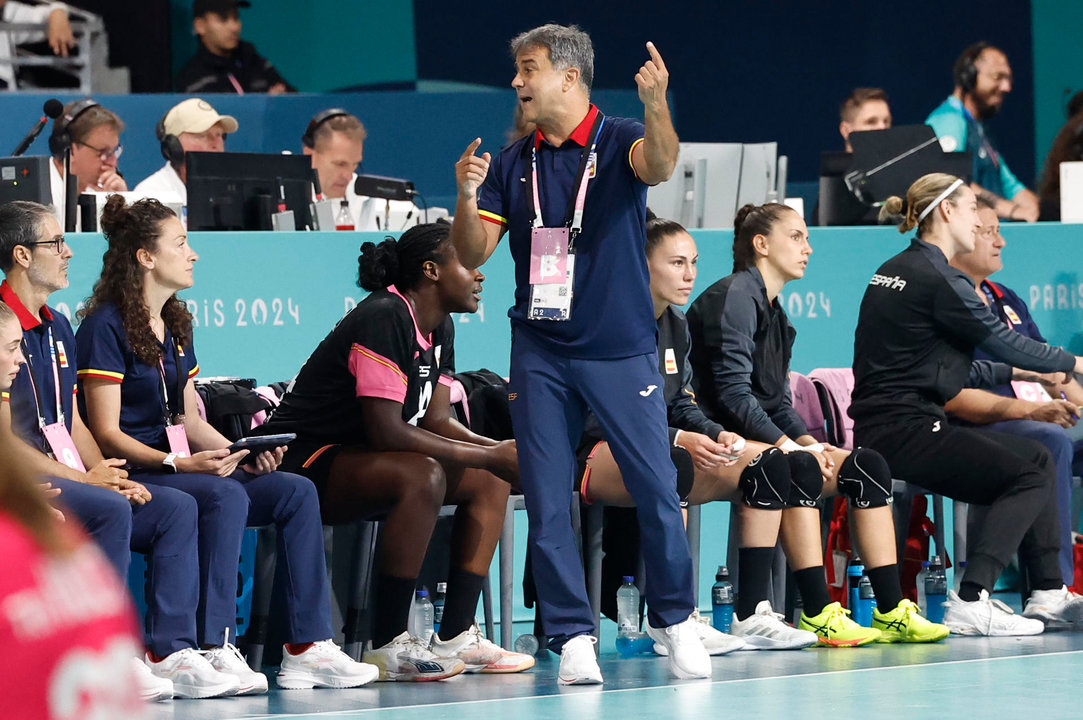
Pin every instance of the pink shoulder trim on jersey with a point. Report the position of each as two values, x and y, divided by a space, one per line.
376 376
424 342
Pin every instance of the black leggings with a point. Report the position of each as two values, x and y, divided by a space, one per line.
1013 476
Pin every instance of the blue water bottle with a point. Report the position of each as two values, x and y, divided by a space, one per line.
722 600
854 571
866 599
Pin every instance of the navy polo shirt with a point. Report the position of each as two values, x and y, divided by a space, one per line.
36 333
104 352
1014 313
612 313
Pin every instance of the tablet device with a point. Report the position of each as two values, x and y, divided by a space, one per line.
259 443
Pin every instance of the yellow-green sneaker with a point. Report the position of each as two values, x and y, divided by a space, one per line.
835 628
905 624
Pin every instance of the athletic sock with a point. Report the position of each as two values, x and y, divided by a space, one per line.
461 603
969 592
753 578
886 587
298 648
392 611
812 584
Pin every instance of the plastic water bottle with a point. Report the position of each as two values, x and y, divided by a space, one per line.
936 591
923 574
438 606
854 571
343 218
630 639
866 599
628 607
423 617
722 600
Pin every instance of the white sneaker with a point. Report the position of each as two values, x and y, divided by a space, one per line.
1058 609
986 616
228 659
323 665
407 658
479 654
193 676
151 687
688 659
714 641
766 629
578 663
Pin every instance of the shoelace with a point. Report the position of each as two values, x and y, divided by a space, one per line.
230 649
838 613
772 614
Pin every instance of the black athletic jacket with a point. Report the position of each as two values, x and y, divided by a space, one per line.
741 346
919 324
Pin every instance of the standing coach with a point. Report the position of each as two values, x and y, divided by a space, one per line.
573 195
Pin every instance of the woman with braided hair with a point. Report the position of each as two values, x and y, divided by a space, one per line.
371 409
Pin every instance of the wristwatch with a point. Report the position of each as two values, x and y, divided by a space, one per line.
170 461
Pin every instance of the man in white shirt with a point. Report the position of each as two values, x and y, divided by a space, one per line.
93 134
335 140
189 126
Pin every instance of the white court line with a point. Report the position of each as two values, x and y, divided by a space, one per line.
692 683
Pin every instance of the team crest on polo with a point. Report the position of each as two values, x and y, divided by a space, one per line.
1012 315
592 165
61 354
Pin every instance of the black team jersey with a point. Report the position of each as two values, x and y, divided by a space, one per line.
375 351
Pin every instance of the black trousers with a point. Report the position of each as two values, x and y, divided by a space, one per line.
1014 477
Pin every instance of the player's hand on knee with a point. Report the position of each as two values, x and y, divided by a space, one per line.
706 453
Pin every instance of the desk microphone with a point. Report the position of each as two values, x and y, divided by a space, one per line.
52 109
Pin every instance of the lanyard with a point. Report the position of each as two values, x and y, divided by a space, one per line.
998 301
169 415
574 218
38 402
994 156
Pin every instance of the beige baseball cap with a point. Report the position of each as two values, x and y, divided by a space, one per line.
195 115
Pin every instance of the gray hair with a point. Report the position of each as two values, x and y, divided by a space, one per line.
568 46
20 224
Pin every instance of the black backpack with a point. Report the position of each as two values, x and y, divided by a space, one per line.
487 397
230 405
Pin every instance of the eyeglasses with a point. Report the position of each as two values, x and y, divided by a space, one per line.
58 243
104 153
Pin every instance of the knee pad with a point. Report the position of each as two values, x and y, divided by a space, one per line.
686 471
865 479
806 479
765 481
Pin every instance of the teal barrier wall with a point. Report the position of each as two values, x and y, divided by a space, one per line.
262 302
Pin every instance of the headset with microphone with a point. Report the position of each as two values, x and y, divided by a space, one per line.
172 150
60 139
965 71
309 138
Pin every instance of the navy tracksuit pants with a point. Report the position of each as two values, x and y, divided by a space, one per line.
549 398
164 530
226 507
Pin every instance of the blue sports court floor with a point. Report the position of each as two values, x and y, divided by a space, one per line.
984 678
